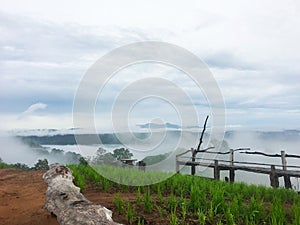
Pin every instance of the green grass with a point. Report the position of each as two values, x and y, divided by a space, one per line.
129 176
119 203
19 166
148 203
130 213
193 200
5 166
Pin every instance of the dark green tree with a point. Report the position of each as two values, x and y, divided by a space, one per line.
122 153
20 166
83 161
41 165
72 157
103 157
108 158
100 153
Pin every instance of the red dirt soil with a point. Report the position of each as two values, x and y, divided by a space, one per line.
22 196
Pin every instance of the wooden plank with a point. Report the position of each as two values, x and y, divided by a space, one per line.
292 173
263 170
184 153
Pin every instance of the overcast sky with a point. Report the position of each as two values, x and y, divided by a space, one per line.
251 47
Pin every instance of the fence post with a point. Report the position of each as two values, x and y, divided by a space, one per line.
142 165
231 171
216 170
274 178
193 167
177 165
287 179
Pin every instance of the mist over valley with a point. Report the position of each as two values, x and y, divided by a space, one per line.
64 149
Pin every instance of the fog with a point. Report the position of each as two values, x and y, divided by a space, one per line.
263 142
13 150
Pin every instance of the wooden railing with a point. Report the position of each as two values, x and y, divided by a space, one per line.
274 171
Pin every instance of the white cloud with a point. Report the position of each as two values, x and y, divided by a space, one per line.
252 48
44 121
33 108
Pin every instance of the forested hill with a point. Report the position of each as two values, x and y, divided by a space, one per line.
85 139
69 139
110 138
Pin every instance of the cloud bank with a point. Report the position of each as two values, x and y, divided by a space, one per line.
251 48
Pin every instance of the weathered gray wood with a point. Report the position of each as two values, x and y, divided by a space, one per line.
181 154
231 171
193 167
274 177
64 200
216 170
287 179
194 152
263 170
177 165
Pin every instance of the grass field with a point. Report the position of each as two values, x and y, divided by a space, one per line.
183 199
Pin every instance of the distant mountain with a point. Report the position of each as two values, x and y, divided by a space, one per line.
69 139
110 138
42 132
159 125
286 135
90 139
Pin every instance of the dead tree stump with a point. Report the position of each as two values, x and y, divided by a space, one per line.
64 200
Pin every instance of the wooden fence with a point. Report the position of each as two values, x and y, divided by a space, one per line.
274 171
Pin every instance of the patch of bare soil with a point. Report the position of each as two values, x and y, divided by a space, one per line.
22 196
106 199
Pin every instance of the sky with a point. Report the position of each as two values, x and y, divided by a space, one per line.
251 48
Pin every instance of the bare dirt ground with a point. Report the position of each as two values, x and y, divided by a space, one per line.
22 196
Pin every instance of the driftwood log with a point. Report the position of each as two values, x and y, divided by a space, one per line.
64 200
